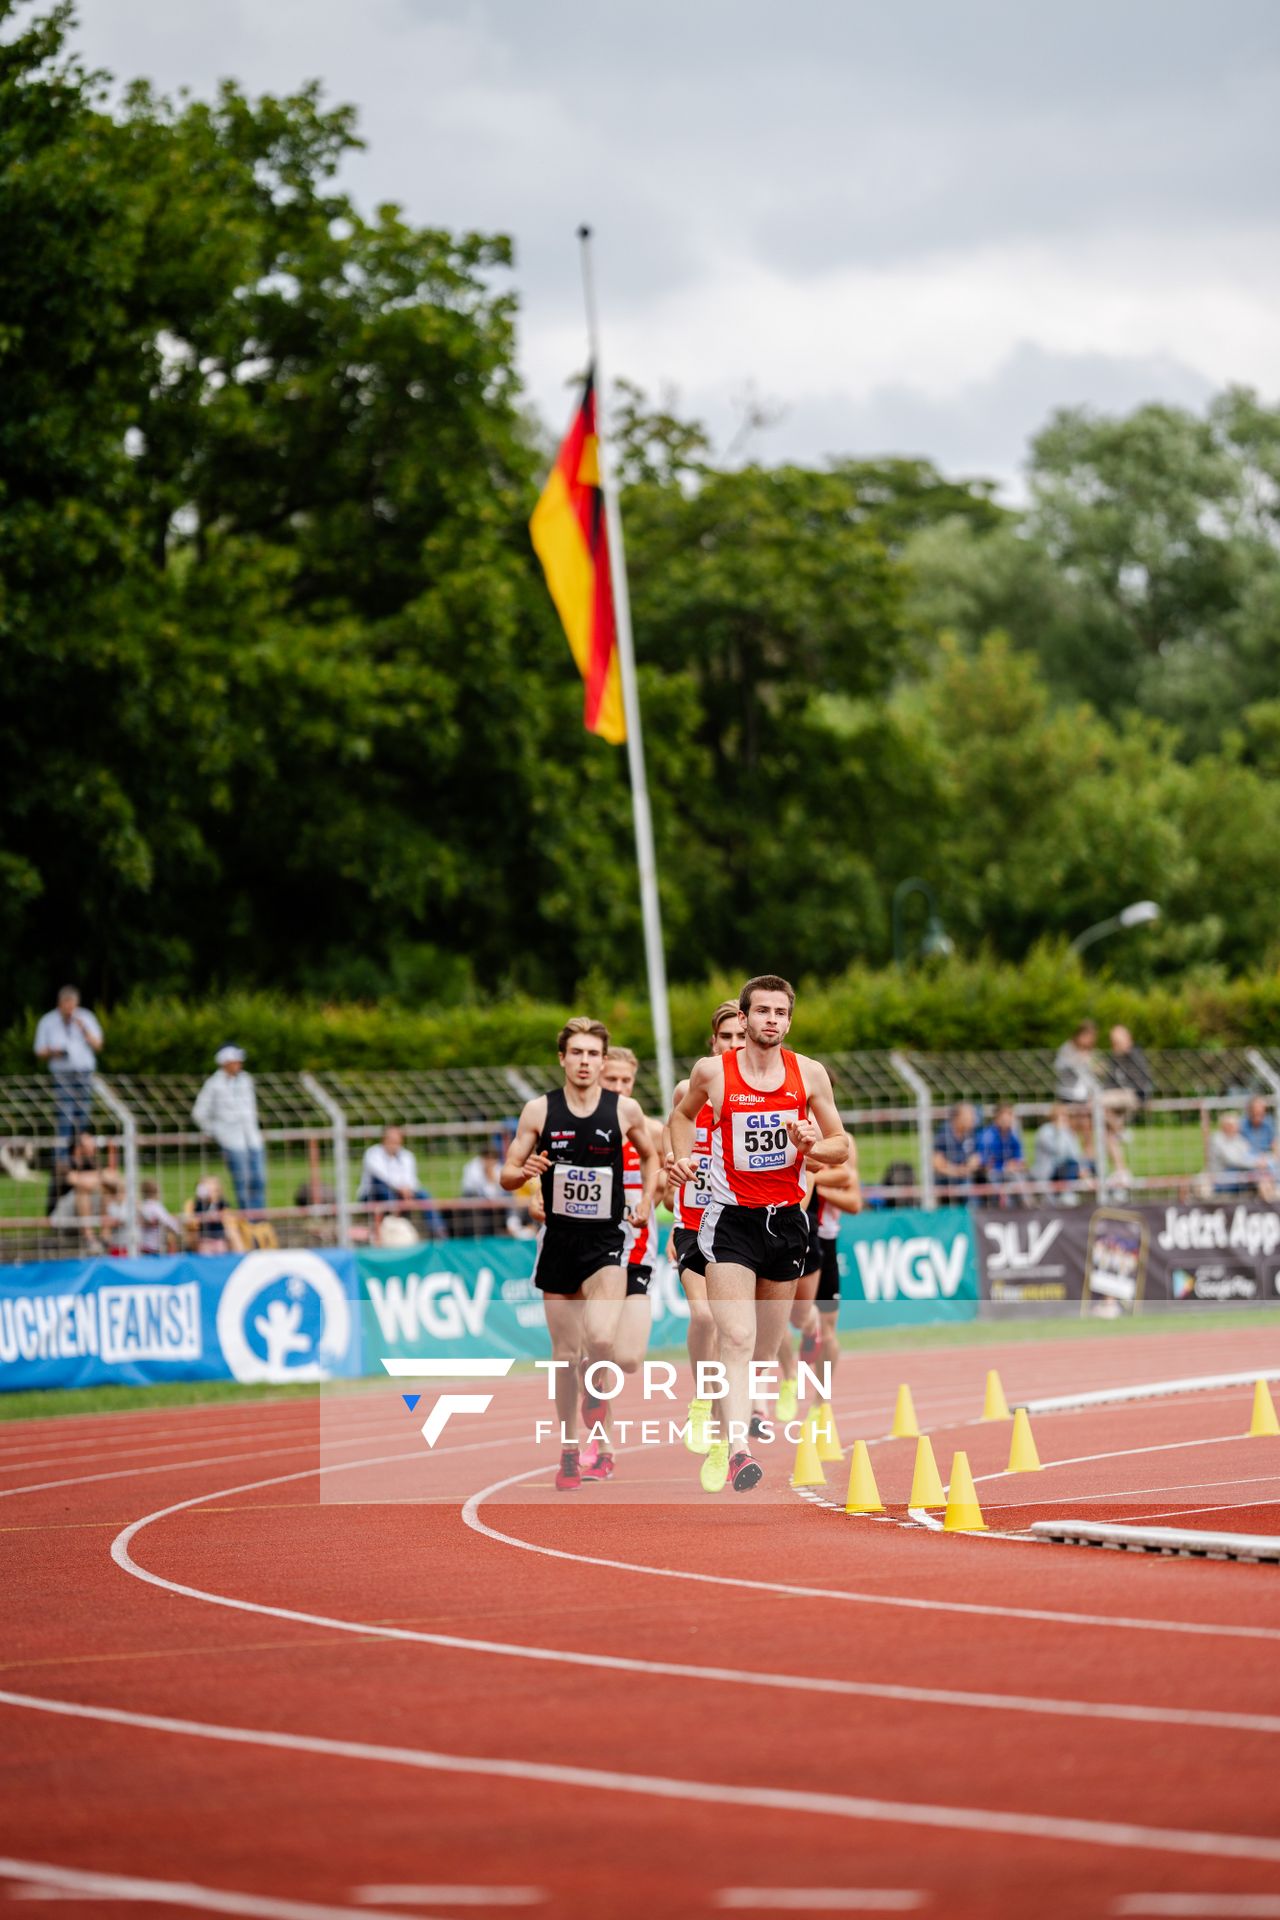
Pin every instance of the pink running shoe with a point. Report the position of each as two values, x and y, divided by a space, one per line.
601 1468
569 1478
744 1473
589 1455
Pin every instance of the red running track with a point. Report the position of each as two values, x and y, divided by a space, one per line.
633 1702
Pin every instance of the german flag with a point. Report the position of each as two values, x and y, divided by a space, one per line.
570 539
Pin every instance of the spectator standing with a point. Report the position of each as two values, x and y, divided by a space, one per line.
1235 1166
70 1039
1129 1067
1258 1127
1000 1146
227 1107
956 1160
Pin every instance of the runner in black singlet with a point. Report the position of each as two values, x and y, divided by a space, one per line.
570 1140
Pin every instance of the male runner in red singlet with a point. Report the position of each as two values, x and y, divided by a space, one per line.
571 1140
688 1202
772 1114
635 1318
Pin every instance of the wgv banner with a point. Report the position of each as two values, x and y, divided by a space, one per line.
907 1266
279 1316
476 1298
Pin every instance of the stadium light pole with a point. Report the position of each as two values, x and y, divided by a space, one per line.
646 858
1140 914
936 943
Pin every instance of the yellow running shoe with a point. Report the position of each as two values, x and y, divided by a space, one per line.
787 1401
715 1468
698 1440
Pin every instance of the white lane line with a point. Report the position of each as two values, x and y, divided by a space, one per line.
1225 1506
470 1514
910 1813
823 1899
1206 1718
450 1896
1210 1906
71 1883
1153 1390
1132 1493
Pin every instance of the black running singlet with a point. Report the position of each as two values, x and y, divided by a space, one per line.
583 1186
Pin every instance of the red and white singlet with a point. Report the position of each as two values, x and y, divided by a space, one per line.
694 1196
753 1162
638 1239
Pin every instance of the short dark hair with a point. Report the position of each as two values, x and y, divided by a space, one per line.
767 983
581 1024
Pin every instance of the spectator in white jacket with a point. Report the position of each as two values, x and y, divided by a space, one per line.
227 1107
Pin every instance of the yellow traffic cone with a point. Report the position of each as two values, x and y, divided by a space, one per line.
864 1495
829 1447
964 1515
995 1406
926 1481
1023 1457
807 1471
1264 1412
905 1425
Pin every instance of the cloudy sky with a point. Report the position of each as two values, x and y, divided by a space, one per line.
909 228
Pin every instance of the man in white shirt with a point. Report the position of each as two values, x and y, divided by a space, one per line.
389 1175
227 1107
69 1039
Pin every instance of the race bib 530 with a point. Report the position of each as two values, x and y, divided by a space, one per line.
761 1141
582 1193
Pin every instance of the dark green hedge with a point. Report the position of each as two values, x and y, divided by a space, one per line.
965 1004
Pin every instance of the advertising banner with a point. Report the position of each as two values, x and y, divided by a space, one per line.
473 1298
275 1316
907 1266
1216 1252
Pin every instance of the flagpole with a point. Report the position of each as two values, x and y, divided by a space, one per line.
646 860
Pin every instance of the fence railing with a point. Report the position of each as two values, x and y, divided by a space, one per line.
151 1179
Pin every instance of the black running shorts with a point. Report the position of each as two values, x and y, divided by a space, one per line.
814 1259
686 1252
828 1294
568 1256
638 1279
771 1242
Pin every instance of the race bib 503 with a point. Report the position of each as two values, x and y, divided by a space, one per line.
582 1193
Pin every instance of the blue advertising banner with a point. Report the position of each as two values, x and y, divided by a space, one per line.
278 1316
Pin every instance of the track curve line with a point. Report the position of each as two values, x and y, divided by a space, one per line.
471 1515
1050 1705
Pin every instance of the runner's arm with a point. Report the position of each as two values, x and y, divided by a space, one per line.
842 1185
671 1188
831 1149
636 1127
684 1117
523 1162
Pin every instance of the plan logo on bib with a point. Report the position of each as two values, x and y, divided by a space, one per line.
284 1316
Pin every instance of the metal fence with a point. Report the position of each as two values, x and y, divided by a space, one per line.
149 1163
